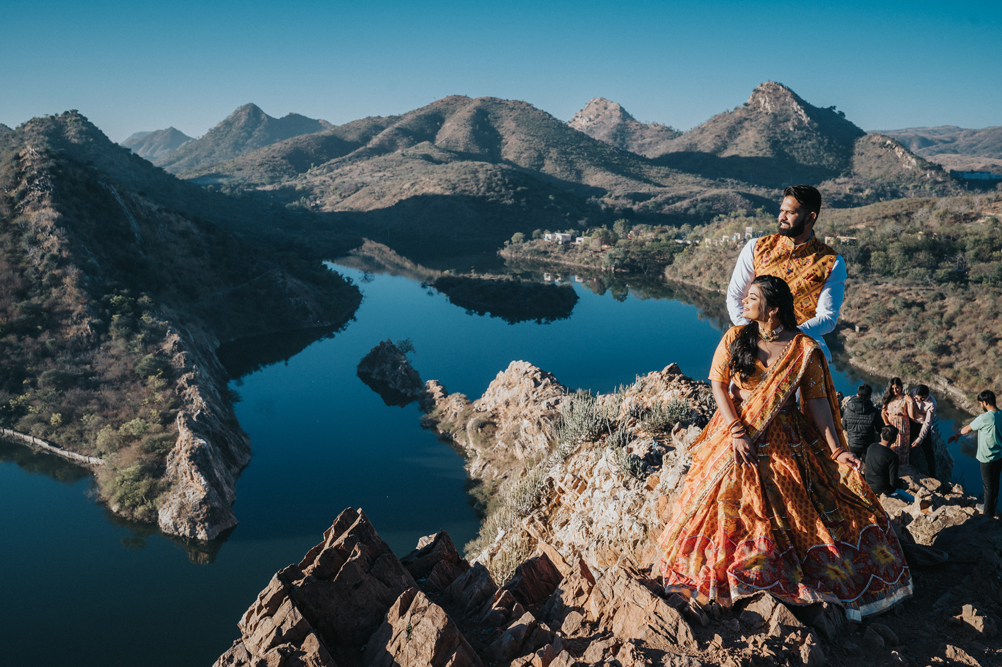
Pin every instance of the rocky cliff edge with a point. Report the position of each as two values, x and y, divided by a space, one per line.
565 578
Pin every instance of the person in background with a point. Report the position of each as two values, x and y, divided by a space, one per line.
989 428
897 410
814 272
882 466
921 427
861 421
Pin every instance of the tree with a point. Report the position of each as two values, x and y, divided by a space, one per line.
518 237
621 227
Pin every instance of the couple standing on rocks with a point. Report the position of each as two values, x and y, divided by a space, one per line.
774 500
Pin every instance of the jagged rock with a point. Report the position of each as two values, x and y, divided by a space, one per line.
472 589
436 561
330 603
872 641
509 644
828 619
500 612
958 655
811 654
631 611
982 624
566 606
758 612
418 633
210 451
888 635
783 619
534 581
386 371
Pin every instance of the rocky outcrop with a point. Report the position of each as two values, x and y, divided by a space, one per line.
581 590
387 372
210 451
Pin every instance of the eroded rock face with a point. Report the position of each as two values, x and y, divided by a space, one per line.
323 610
209 454
418 633
435 563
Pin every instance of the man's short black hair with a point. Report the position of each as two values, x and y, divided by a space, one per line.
922 391
864 391
807 195
987 396
889 433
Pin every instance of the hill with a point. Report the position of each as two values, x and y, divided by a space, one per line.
468 169
954 147
607 121
475 171
118 281
4 129
777 129
246 129
950 139
154 145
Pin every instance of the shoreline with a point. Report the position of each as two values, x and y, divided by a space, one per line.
47 447
956 395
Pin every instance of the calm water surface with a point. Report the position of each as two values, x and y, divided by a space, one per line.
79 587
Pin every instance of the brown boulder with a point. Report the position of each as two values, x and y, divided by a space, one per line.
509 644
627 608
534 580
327 607
472 589
418 633
435 563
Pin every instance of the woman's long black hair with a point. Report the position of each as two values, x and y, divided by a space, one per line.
744 349
889 394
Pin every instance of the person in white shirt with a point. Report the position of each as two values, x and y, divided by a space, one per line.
815 273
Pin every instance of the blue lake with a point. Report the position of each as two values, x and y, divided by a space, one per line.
79 587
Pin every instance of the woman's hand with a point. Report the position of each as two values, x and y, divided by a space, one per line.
849 459
744 451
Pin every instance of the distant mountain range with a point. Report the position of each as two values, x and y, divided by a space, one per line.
153 145
954 147
483 168
246 129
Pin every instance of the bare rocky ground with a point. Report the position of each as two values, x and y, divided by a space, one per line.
562 572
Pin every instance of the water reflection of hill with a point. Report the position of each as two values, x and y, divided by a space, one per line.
512 300
245 355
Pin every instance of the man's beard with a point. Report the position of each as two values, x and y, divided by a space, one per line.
796 230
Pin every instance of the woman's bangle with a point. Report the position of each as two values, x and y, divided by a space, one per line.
839 451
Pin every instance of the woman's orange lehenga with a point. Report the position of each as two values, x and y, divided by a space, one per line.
798 525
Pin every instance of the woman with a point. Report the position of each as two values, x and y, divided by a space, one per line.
898 410
773 500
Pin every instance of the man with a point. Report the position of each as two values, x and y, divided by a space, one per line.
815 273
989 428
861 419
882 466
925 413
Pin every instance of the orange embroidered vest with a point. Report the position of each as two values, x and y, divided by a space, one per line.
805 269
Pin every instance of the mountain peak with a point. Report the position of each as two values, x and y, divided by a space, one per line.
599 110
608 121
773 97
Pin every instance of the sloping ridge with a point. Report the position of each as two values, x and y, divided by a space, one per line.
154 145
950 139
245 130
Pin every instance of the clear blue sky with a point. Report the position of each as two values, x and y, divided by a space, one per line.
131 66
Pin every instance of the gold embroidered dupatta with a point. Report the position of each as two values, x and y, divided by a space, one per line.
713 457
